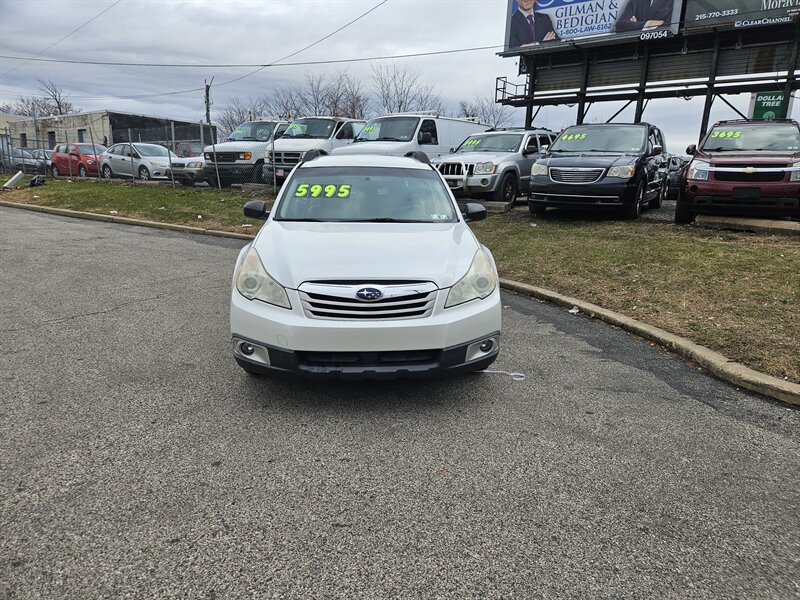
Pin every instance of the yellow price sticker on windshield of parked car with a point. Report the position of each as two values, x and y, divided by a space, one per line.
369 128
472 142
726 134
568 137
305 190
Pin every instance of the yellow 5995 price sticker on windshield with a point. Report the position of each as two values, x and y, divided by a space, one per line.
726 134
330 190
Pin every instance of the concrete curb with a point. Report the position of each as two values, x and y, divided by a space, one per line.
715 363
126 221
748 224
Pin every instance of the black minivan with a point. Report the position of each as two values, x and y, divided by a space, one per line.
602 166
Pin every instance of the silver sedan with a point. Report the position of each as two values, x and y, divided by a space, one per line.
142 161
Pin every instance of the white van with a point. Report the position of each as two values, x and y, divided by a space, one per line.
309 133
399 134
239 158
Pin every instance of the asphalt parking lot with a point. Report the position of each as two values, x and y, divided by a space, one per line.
138 461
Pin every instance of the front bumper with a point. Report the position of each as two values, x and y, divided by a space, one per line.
472 184
609 192
278 173
287 341
195 175
778 199
228 170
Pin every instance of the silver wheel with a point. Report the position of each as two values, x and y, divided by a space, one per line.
144 174
81 171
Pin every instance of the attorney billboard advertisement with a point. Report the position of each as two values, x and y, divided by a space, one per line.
739 13
533 22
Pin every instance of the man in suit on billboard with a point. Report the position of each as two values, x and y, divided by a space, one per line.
643 15
529 27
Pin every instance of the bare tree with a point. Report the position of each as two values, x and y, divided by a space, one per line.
54 102
399 90
486 110
356 99
314 93
56 97
285 102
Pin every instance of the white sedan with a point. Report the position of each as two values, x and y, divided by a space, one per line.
365 268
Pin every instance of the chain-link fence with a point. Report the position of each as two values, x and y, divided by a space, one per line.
174 153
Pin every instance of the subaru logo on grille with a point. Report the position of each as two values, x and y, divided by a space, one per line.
369 294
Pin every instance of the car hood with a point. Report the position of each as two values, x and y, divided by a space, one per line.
751 158
294 253
476 157
246 146
393 148
587 159
298 145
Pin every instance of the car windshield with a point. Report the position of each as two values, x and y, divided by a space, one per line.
152 150
257 131
600 139
320 129
506 142
87 148
366 194
740 137
388 129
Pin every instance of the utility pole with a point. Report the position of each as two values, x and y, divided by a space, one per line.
208 120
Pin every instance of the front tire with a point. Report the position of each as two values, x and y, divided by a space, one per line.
683 216
81 171
662 194
144 174
507 190
54 171
634 210
107 173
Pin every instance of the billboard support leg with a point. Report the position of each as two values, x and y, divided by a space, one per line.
582 93
787 91
529 116
736 110
614 116
712 79
642 85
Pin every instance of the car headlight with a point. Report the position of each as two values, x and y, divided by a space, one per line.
538 169
795 175
623 172
485 168
208 155
194 165
479 281
91 162
245 156
698 170
254 283
159 164
268 156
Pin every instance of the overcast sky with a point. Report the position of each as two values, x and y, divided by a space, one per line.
261 31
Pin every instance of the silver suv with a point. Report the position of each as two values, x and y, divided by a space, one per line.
494 163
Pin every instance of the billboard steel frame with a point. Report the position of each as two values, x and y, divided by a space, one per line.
755 59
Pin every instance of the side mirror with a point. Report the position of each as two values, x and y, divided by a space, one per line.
474 212
452 149
256 209
530 150
543 148
691 149
424 137
657 150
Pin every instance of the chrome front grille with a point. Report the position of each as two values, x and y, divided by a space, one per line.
575 174
285 159
222 157
334 301
455 169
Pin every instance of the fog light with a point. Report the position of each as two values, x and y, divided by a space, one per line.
484 182
246 349
487 345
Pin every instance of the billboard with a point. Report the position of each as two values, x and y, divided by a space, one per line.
739 13
765 106
530 23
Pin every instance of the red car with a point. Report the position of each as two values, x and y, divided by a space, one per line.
744 168
81 160
188 149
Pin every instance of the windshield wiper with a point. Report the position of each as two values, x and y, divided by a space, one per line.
388 139
242 139
306 220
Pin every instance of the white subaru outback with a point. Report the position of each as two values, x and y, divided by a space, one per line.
365 268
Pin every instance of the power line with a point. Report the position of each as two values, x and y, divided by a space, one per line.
63 38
